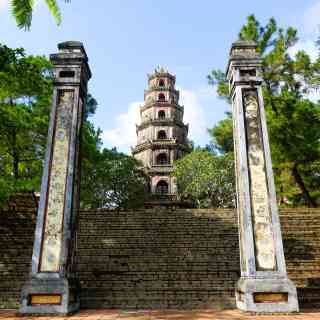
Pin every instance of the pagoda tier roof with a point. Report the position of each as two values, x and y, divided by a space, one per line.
164 88
158 144
151 104
160 168
161 72
162 122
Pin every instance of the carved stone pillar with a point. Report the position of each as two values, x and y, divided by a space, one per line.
264 285
52 287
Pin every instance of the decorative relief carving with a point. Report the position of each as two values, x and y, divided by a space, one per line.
264 242
51 245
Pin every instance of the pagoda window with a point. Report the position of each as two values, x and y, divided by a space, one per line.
162 187
161 83
162 135
161 115
162 158
161 97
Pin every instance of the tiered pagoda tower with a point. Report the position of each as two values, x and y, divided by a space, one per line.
162 135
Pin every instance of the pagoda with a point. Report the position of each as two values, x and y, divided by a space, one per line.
161 135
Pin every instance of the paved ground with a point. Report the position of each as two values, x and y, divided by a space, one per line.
167 315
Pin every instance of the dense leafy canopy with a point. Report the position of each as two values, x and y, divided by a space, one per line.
206 179
115 180
25 89
25 100
293 119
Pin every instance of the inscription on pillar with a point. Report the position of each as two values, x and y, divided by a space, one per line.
262 224
51 248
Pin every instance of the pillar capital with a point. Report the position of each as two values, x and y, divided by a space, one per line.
244 65
70 65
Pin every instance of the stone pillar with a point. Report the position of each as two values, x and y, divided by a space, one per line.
52 287
264 285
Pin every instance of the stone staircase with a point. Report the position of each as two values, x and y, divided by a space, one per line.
159 258
16 242
301 240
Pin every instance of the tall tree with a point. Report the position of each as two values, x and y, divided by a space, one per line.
25 95
293 119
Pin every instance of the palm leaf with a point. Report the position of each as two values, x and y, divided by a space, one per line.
22 12
54 9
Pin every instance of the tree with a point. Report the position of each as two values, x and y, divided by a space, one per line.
22 11
293 120
222 135
113 180
109 178
206 179
25 96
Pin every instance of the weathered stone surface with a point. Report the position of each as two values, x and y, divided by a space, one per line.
50 255
261 216
261 249
160 258
51 272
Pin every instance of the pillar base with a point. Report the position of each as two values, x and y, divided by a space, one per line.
57 296
266 295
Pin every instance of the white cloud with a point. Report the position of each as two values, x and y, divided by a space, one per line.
193 113
123 135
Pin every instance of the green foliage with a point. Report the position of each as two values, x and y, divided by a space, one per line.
294 133
113 180
22 12
25 89
218 78
206 179
54 9
293 120
109 178
91 107
222 135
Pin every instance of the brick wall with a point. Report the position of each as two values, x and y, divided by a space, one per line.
151 258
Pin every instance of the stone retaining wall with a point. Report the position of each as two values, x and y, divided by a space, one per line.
184 258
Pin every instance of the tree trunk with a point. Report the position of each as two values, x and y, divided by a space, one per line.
15 163
15 153
302 187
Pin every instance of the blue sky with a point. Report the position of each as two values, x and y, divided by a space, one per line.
127 39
